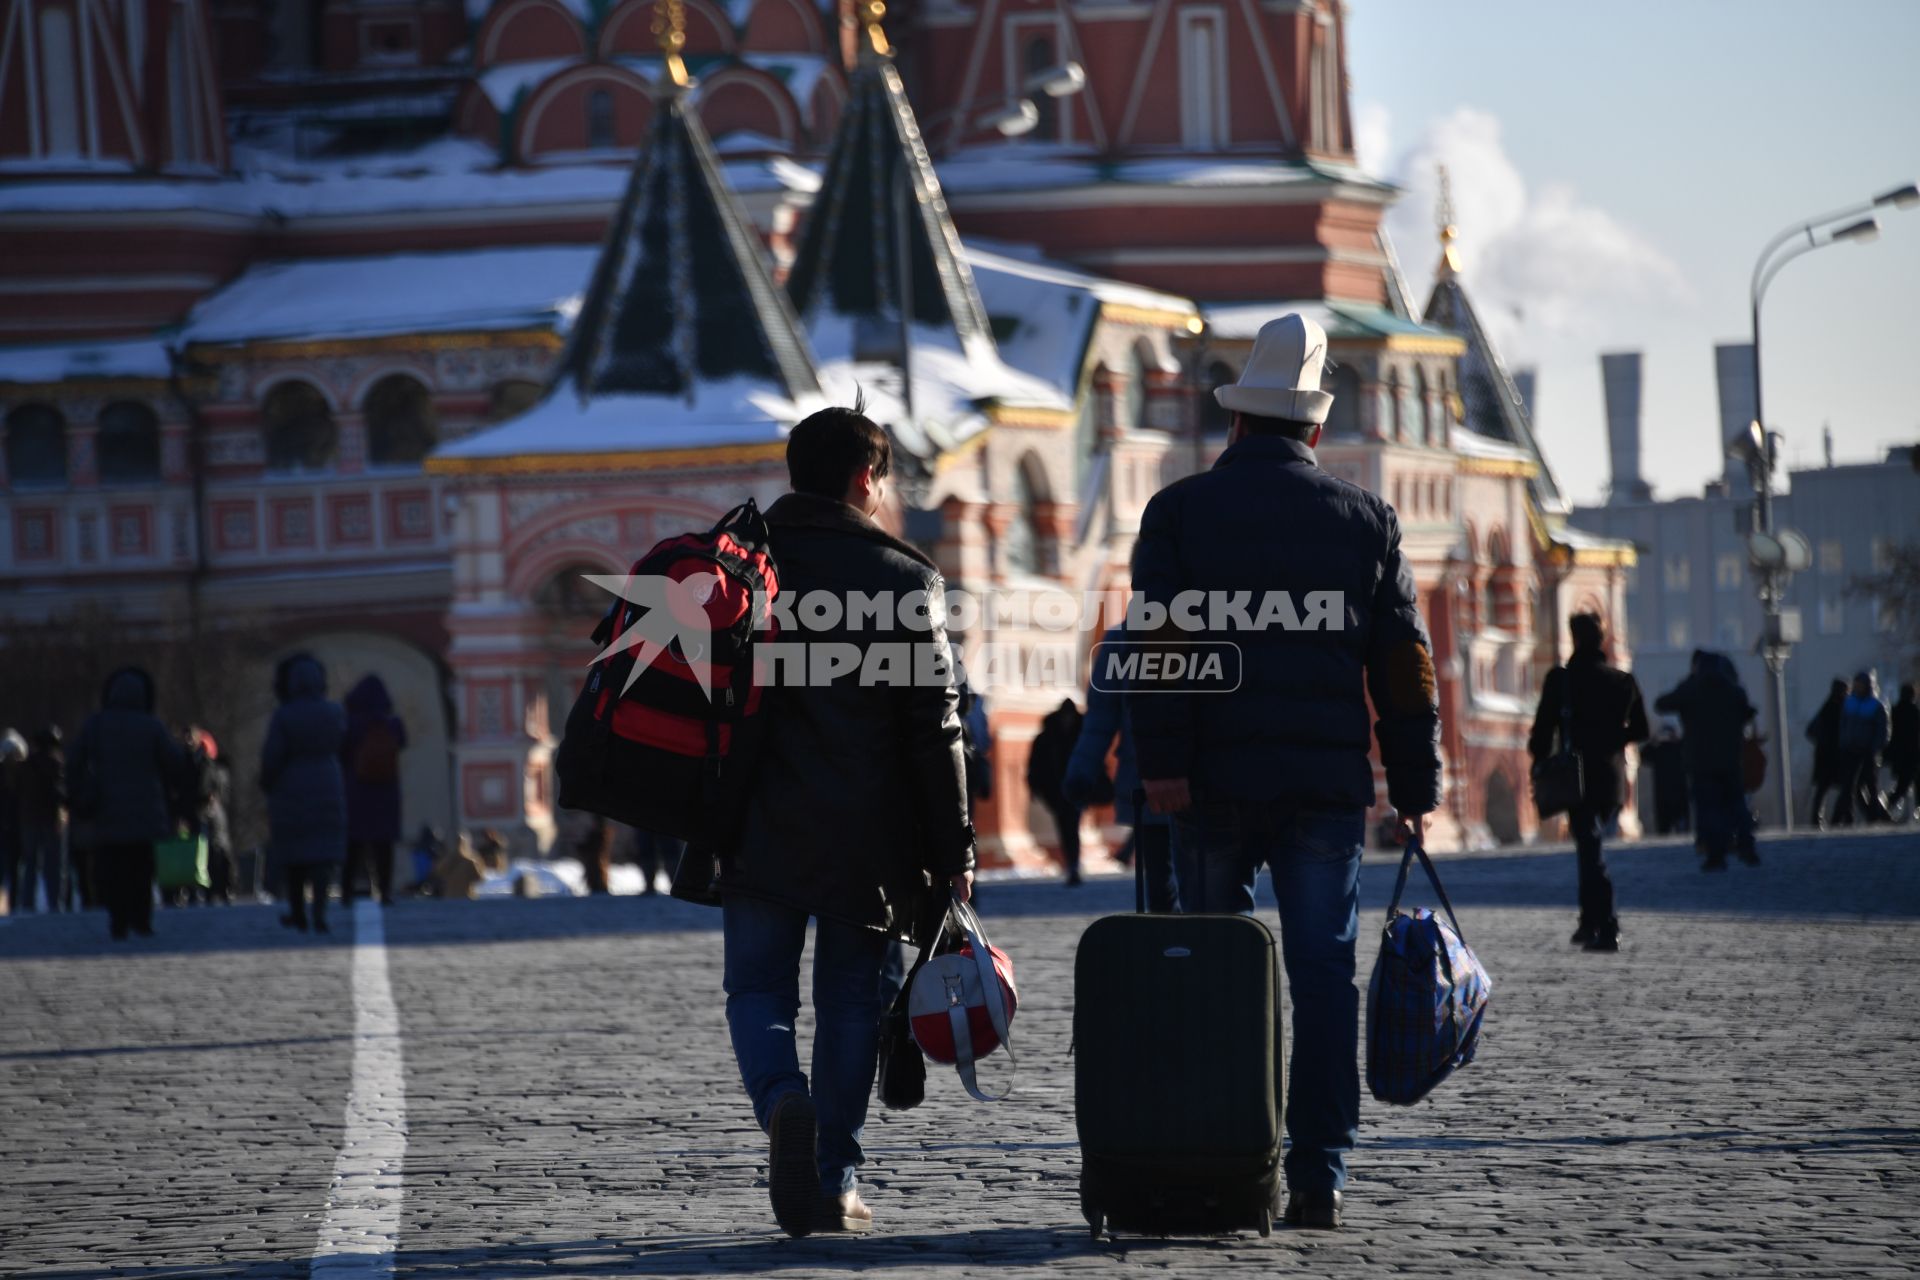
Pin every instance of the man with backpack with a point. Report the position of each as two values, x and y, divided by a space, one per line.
1302 575
855 811
1599 710
1714 711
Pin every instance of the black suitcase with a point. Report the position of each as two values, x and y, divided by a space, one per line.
1178 1075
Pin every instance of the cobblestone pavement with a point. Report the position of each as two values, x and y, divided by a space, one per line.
1738 1093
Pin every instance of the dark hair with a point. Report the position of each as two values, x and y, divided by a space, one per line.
1255 425
828 449
1587 630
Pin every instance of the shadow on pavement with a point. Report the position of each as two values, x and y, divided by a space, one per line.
1874 874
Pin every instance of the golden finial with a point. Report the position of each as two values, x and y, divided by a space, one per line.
871 12
670 31
1443 214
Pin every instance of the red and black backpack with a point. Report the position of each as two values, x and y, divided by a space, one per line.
655 753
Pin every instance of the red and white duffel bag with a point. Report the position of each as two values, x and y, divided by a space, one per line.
962 1000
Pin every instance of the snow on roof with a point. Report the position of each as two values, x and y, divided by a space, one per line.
1471 444
734 412
1045 311
397 293
1018 166
120 358
311 197
799 72
505 81
1241 321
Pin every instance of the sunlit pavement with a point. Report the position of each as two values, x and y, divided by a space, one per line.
1736 1093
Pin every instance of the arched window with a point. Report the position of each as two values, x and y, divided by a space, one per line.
1215 418
600 120
299 428
129 442
511 397
1422 406
1040 57
36 445
1022 547
568 594
1343 420
402 423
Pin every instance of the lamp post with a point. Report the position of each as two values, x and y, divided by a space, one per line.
1760 449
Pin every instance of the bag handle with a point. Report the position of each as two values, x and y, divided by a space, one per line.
967 921
1417 848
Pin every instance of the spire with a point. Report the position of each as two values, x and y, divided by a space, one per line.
1449 266
848 261
681 294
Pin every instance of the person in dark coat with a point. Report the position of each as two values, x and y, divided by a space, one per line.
1046 779
41 799
216 803
17 876
1903 752
1865 730
1823 731
595 851
306 795
370 762
124 774
1304 573
856 813
1714 712
1607 716
654 853
1104 729
1666 759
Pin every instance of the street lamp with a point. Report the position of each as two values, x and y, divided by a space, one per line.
1760 448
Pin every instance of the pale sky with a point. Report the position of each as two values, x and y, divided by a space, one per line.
1617 168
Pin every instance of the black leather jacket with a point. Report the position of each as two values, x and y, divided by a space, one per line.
858 794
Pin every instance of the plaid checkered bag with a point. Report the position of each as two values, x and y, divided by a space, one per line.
1427 998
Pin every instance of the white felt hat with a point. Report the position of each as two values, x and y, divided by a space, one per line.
1282 377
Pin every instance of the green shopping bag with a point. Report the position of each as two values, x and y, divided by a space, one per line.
181 863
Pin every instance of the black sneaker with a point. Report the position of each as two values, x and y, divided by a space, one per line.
1602 942
1582 936
1313 1210
793 1179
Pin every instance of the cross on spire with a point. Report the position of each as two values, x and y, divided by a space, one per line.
1443 217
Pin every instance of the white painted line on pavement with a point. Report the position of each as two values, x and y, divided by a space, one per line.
362 1227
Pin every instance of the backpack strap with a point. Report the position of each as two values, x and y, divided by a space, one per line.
1417 848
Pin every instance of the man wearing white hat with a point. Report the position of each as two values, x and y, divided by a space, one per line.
1303 573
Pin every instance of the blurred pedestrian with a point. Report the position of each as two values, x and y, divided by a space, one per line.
306 795
16 874
1865 730
41 801
216 802
1046 779
1714 712
976 739
1666 759
370 758
1603 713
1104 729
1903 753
655 853
459 872
491 850
124 774
422 858
1823 731
595 850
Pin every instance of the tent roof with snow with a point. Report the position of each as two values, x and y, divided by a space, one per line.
683 341
846 281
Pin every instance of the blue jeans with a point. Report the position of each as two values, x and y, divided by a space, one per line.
1314 859
763 945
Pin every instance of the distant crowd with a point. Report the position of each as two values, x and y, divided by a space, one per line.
131 813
